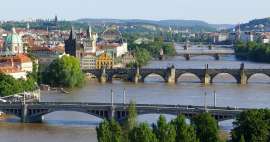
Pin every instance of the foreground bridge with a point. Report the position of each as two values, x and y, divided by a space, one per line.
171 74
33 112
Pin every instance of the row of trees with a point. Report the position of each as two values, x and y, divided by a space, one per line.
11 86
253 51
249 126
144 52
203 128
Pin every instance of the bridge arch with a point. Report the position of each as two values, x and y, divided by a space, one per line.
259 77
225 77
102 114
145 76
193 75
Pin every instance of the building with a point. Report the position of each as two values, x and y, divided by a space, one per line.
88 61
127 58
13 43
46 55
71 44
112 42
104 61
17 66
77 45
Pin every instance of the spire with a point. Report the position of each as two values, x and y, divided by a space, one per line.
72 34
13 30
89 32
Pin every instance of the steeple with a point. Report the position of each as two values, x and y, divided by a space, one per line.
72 34
89 32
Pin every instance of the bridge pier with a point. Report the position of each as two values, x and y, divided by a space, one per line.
206 79
103 77
187 56
243 77
171 75
217 57
27 118
136 78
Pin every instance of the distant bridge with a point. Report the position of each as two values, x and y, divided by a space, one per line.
189 52
33 112
214 53
171 75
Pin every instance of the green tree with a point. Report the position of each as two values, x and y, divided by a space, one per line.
11 86
253 125
142 56
242 139
109 131
164 131
206 127
131 120
64 72
184 132
104 132
142 133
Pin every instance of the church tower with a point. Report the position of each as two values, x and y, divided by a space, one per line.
70 44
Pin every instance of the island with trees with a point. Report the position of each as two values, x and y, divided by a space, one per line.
253 51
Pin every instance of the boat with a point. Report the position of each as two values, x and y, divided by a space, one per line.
64 91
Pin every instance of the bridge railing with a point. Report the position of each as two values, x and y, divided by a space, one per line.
89 104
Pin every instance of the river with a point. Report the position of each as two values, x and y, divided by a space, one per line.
79 127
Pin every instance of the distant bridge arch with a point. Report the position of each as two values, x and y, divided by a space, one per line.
254 76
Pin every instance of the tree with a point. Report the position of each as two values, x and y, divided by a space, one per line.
253 125
64 72
242 139
104 132
11 86
109 131
184 132
142 133
131 120
132 116
206 127
164 131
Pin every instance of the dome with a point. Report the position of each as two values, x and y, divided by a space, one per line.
13 43
112 35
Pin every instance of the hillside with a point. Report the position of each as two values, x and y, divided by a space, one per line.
192 25
257 25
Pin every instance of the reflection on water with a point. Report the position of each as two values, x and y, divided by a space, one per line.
79 127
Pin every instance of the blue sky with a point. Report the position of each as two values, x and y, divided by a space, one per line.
212 11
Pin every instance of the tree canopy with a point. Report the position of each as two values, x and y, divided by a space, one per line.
64 72
142 133
11 86
206 128
184 132
164 131
253 51
109 131
252 126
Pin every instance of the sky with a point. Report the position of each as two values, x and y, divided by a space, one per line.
212 11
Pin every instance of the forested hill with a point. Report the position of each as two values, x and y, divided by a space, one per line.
193 25
257 25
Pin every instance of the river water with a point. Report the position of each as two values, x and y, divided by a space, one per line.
79 127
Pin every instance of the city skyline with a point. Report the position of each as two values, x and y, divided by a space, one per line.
223 12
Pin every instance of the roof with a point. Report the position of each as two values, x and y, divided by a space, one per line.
9 69
22 58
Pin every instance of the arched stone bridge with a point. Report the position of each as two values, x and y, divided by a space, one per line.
171 74
33 112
